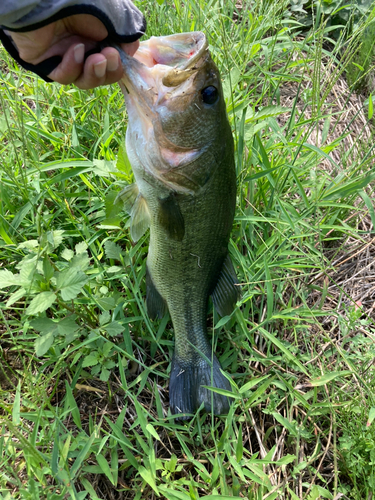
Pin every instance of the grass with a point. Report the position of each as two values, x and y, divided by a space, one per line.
84 372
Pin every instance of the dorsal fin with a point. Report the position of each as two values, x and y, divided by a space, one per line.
128 196
170 217
140 218
226 292
156 306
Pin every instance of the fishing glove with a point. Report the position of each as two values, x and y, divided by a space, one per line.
123 21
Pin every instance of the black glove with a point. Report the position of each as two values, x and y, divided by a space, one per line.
123 21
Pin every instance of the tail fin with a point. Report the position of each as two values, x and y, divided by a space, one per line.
186 393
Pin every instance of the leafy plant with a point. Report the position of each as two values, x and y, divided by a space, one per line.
338 15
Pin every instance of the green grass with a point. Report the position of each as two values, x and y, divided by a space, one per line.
84 372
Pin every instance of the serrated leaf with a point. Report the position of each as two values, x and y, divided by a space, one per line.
107 348
68 325
43 343
14 297
109 364
90 360
112 209
67 254
81 247
41 303
29 245
112 250
104 168
110 223
55 237
123 163
95 369
107 303
80 261
7 278
114 328
48 270
104 375
44 325
27 270
70 282
104 318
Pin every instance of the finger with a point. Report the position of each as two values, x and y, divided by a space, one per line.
71 66
130 48
101 69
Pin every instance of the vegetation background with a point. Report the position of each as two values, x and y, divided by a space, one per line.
84 373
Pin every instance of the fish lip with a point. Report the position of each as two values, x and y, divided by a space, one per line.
132 82
201 45
176 76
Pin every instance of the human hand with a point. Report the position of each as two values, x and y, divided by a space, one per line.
70 38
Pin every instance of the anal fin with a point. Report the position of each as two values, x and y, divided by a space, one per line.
227 291
140 218
156 306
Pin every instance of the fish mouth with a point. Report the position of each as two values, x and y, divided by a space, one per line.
159 64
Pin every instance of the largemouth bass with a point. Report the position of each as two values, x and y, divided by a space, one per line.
180 146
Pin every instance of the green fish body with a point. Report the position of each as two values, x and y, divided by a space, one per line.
180 147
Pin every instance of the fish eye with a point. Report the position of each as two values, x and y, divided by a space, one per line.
210 94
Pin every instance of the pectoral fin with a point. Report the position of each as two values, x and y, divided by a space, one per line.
156 306
128 196
140 218
170 217
226 292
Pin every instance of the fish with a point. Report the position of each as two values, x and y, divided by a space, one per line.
180 146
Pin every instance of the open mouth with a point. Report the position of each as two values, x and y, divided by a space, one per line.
180 51
163 62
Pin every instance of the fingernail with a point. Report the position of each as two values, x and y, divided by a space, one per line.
99 68
112 62
79 53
